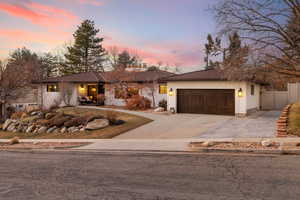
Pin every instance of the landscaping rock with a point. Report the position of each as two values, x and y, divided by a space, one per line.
35 130
207 144
82 129
43 129
50 130
63 130
92 118
11 127
97 124
14 140
6 124
266 143
118 122
30 129
30 119
71 129
75 122
24 115
159 109
58 122
50 115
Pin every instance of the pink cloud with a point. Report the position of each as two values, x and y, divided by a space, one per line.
39 14
90 2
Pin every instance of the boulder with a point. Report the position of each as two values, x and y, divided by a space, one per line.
6 124
11 127
30 129
82 129
266 143
24 115
50 115
30 119
58 122
71 129
97 124
159 109
75 122
43 129
63 130
118 122
93 117
50 130
14 140
207 144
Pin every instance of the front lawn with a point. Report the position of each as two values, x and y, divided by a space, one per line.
131 122
294 120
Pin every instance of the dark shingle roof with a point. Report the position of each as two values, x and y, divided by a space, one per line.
109 77
203 75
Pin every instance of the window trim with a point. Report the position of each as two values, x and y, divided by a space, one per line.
48 86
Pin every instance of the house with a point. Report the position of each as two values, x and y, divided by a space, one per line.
208 92
111 85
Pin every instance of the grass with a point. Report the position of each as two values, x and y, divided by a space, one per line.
294 120
131 122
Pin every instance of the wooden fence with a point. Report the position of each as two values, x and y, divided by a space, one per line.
277 100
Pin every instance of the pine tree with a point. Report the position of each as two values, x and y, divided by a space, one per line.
87 53
125 60
212 49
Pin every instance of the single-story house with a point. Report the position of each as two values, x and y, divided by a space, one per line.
108 84
208 92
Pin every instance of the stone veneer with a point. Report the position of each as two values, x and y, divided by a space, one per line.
282 123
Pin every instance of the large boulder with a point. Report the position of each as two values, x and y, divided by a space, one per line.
97 124
30 129
30 119
77 121
59 122
6 124
41 130
50 115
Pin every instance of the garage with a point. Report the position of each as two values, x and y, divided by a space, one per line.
206 101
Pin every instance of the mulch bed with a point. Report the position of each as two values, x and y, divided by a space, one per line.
42 145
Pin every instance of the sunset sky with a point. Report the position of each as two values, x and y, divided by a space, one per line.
171 31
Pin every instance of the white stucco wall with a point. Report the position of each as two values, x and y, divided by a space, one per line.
253 101
49 98
242 104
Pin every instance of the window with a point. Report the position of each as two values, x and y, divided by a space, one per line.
252 90
52 88
123 94
163 89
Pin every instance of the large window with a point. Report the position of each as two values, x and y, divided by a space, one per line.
52 88
124 94
163 89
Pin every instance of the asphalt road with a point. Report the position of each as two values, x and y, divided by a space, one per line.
110 176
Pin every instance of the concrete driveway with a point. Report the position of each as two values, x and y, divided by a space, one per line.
260 124
187 126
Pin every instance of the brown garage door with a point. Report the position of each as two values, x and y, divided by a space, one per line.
219 102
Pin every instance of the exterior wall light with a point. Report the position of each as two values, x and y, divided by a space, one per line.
171 92
240 93
94 89
81 86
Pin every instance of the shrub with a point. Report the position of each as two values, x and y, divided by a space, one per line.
111 116
138 102
164 104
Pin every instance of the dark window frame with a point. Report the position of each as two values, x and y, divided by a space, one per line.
52 88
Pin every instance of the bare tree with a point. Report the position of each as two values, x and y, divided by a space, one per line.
272 27
66 91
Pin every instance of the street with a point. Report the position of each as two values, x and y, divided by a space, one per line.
153 176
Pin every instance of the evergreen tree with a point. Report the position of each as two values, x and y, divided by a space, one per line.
212 49
87 53
125 60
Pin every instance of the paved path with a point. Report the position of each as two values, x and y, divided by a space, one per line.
178 126
131 176
261 124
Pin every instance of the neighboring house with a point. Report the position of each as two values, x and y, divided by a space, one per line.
108 84
208 92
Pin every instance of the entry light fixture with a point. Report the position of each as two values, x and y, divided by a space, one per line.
82 86
240 93
171 92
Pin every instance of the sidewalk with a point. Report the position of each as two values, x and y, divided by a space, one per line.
152 145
